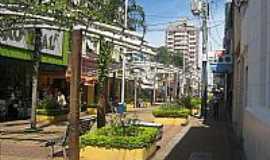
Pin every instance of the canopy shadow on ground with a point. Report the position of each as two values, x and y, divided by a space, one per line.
211 138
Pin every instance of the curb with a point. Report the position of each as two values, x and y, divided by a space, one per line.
173 142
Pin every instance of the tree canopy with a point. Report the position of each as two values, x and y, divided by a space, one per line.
68 13
166 57
163 55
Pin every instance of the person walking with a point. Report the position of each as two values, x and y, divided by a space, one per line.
216 105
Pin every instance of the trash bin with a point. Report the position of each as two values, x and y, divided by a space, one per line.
121 108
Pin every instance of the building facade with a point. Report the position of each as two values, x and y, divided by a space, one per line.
183 38
251 78
16 65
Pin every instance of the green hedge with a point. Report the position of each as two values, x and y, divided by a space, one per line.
129 137
51 112
175 111
196 102
93 105
49 107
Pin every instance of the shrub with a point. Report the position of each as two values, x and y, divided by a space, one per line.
175 111
127 137
185 101
196 102
47 103
93 105
48 106
52 112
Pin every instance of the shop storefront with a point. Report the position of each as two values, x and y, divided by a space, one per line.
16 64
16 82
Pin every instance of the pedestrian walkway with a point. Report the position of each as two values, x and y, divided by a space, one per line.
206 140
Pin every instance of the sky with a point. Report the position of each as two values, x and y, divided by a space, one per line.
160 12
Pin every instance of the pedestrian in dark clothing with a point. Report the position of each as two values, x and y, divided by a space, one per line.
216 111
216 101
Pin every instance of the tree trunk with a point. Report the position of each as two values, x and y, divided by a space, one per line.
74 150
135 92
34 94
101 120
36 61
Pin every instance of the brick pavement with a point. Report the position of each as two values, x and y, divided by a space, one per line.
29 146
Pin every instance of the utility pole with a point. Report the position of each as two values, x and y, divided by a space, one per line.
124 58
135 91
154 90
201 8
74 150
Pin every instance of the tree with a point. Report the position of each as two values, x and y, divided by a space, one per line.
104 59
64 13
163 55
35 72
67 14
177 59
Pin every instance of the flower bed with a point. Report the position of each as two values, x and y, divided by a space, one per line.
130 143
171 115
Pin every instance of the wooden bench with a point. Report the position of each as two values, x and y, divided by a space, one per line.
85 125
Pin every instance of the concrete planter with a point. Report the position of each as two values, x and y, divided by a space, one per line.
130 107
171 121
92 111
147 104
102 153
44 119
195 111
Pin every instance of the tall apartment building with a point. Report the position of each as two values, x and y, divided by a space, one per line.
183 38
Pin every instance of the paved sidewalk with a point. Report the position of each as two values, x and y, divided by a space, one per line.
206 140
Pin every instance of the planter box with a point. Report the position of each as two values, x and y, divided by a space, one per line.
130 107
101 153
147 104
171 121
92 111
51 119
195 111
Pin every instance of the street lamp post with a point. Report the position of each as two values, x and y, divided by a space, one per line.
124 58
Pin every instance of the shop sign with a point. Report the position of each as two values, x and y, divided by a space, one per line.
51 40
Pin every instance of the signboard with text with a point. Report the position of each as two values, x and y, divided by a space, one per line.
220 62
51 40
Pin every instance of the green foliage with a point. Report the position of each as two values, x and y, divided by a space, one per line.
163 55
177 59
93 105
195 102
185 101
67 14
127 137
52 112
47 103
48 106
171 110
104 59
